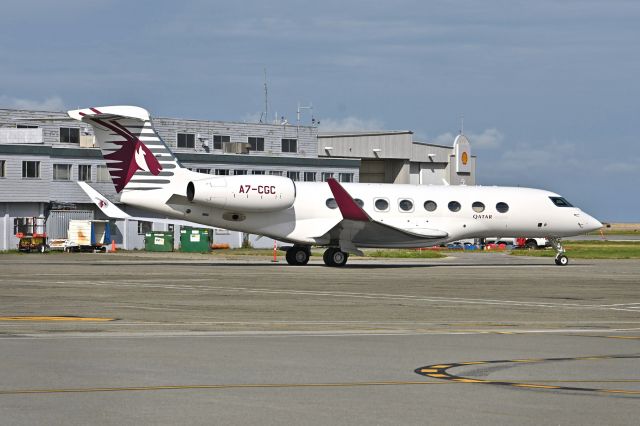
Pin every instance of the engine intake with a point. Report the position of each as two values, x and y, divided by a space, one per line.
247 193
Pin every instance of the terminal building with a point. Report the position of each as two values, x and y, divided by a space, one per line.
43 155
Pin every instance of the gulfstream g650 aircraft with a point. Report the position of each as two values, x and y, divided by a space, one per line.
344 218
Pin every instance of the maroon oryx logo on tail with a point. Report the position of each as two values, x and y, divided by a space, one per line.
133 155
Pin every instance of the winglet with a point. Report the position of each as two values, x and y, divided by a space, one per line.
348 207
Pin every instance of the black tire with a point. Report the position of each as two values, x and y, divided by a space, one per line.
338 258
326 257
298 256
531 245
562 260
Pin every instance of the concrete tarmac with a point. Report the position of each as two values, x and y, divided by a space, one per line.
484 338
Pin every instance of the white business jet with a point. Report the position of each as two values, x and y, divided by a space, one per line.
342 217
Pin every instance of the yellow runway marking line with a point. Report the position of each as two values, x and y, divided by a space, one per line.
220 386
439 376
473 363
526 385
441 366
623 337
53 318
429 370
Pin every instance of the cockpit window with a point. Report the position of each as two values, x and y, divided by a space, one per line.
560 202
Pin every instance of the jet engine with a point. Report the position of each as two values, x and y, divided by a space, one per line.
247 193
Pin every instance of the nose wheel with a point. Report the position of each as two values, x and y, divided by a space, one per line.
333 256
561 258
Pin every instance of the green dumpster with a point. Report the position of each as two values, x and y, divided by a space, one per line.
194 240
158 241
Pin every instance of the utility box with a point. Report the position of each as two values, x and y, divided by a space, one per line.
195 240
158 241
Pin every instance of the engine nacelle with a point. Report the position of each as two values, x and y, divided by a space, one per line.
247 193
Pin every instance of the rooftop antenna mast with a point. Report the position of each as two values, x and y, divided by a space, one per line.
462 124
266 96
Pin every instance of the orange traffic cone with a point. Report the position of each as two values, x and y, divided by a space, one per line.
113 246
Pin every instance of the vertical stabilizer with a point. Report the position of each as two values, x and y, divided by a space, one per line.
137 158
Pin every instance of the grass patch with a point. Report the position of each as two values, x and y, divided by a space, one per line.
590 250
405 254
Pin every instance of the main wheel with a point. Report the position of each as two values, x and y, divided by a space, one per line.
335 257
298 256
562 260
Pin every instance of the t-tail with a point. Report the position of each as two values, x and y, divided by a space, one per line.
137 158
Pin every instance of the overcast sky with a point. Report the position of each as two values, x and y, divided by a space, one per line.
549 90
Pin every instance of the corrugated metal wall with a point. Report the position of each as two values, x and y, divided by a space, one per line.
58 222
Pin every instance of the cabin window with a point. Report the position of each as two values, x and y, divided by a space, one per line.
454 206
405 205
560 202
477 207
430 206
331 203
381 204
359 202
502 207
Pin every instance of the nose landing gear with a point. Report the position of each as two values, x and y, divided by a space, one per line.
561 258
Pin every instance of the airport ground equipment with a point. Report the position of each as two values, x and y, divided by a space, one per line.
88 235
32 233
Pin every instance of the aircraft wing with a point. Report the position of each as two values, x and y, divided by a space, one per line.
363 230
112 211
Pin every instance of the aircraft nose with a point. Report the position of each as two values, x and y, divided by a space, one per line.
592 224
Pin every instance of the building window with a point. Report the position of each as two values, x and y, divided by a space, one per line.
294 176
219 140
84 172
62 172
326 176
275 172
205 171
257 172
26 126
289 145
309 176
102 174
30 169
69 135
346 177
186 140
239 172
256 144
144 227
502 207
222 172
430 206
3 164
454 206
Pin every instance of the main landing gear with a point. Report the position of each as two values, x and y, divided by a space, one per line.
561 258
298 255
333 256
